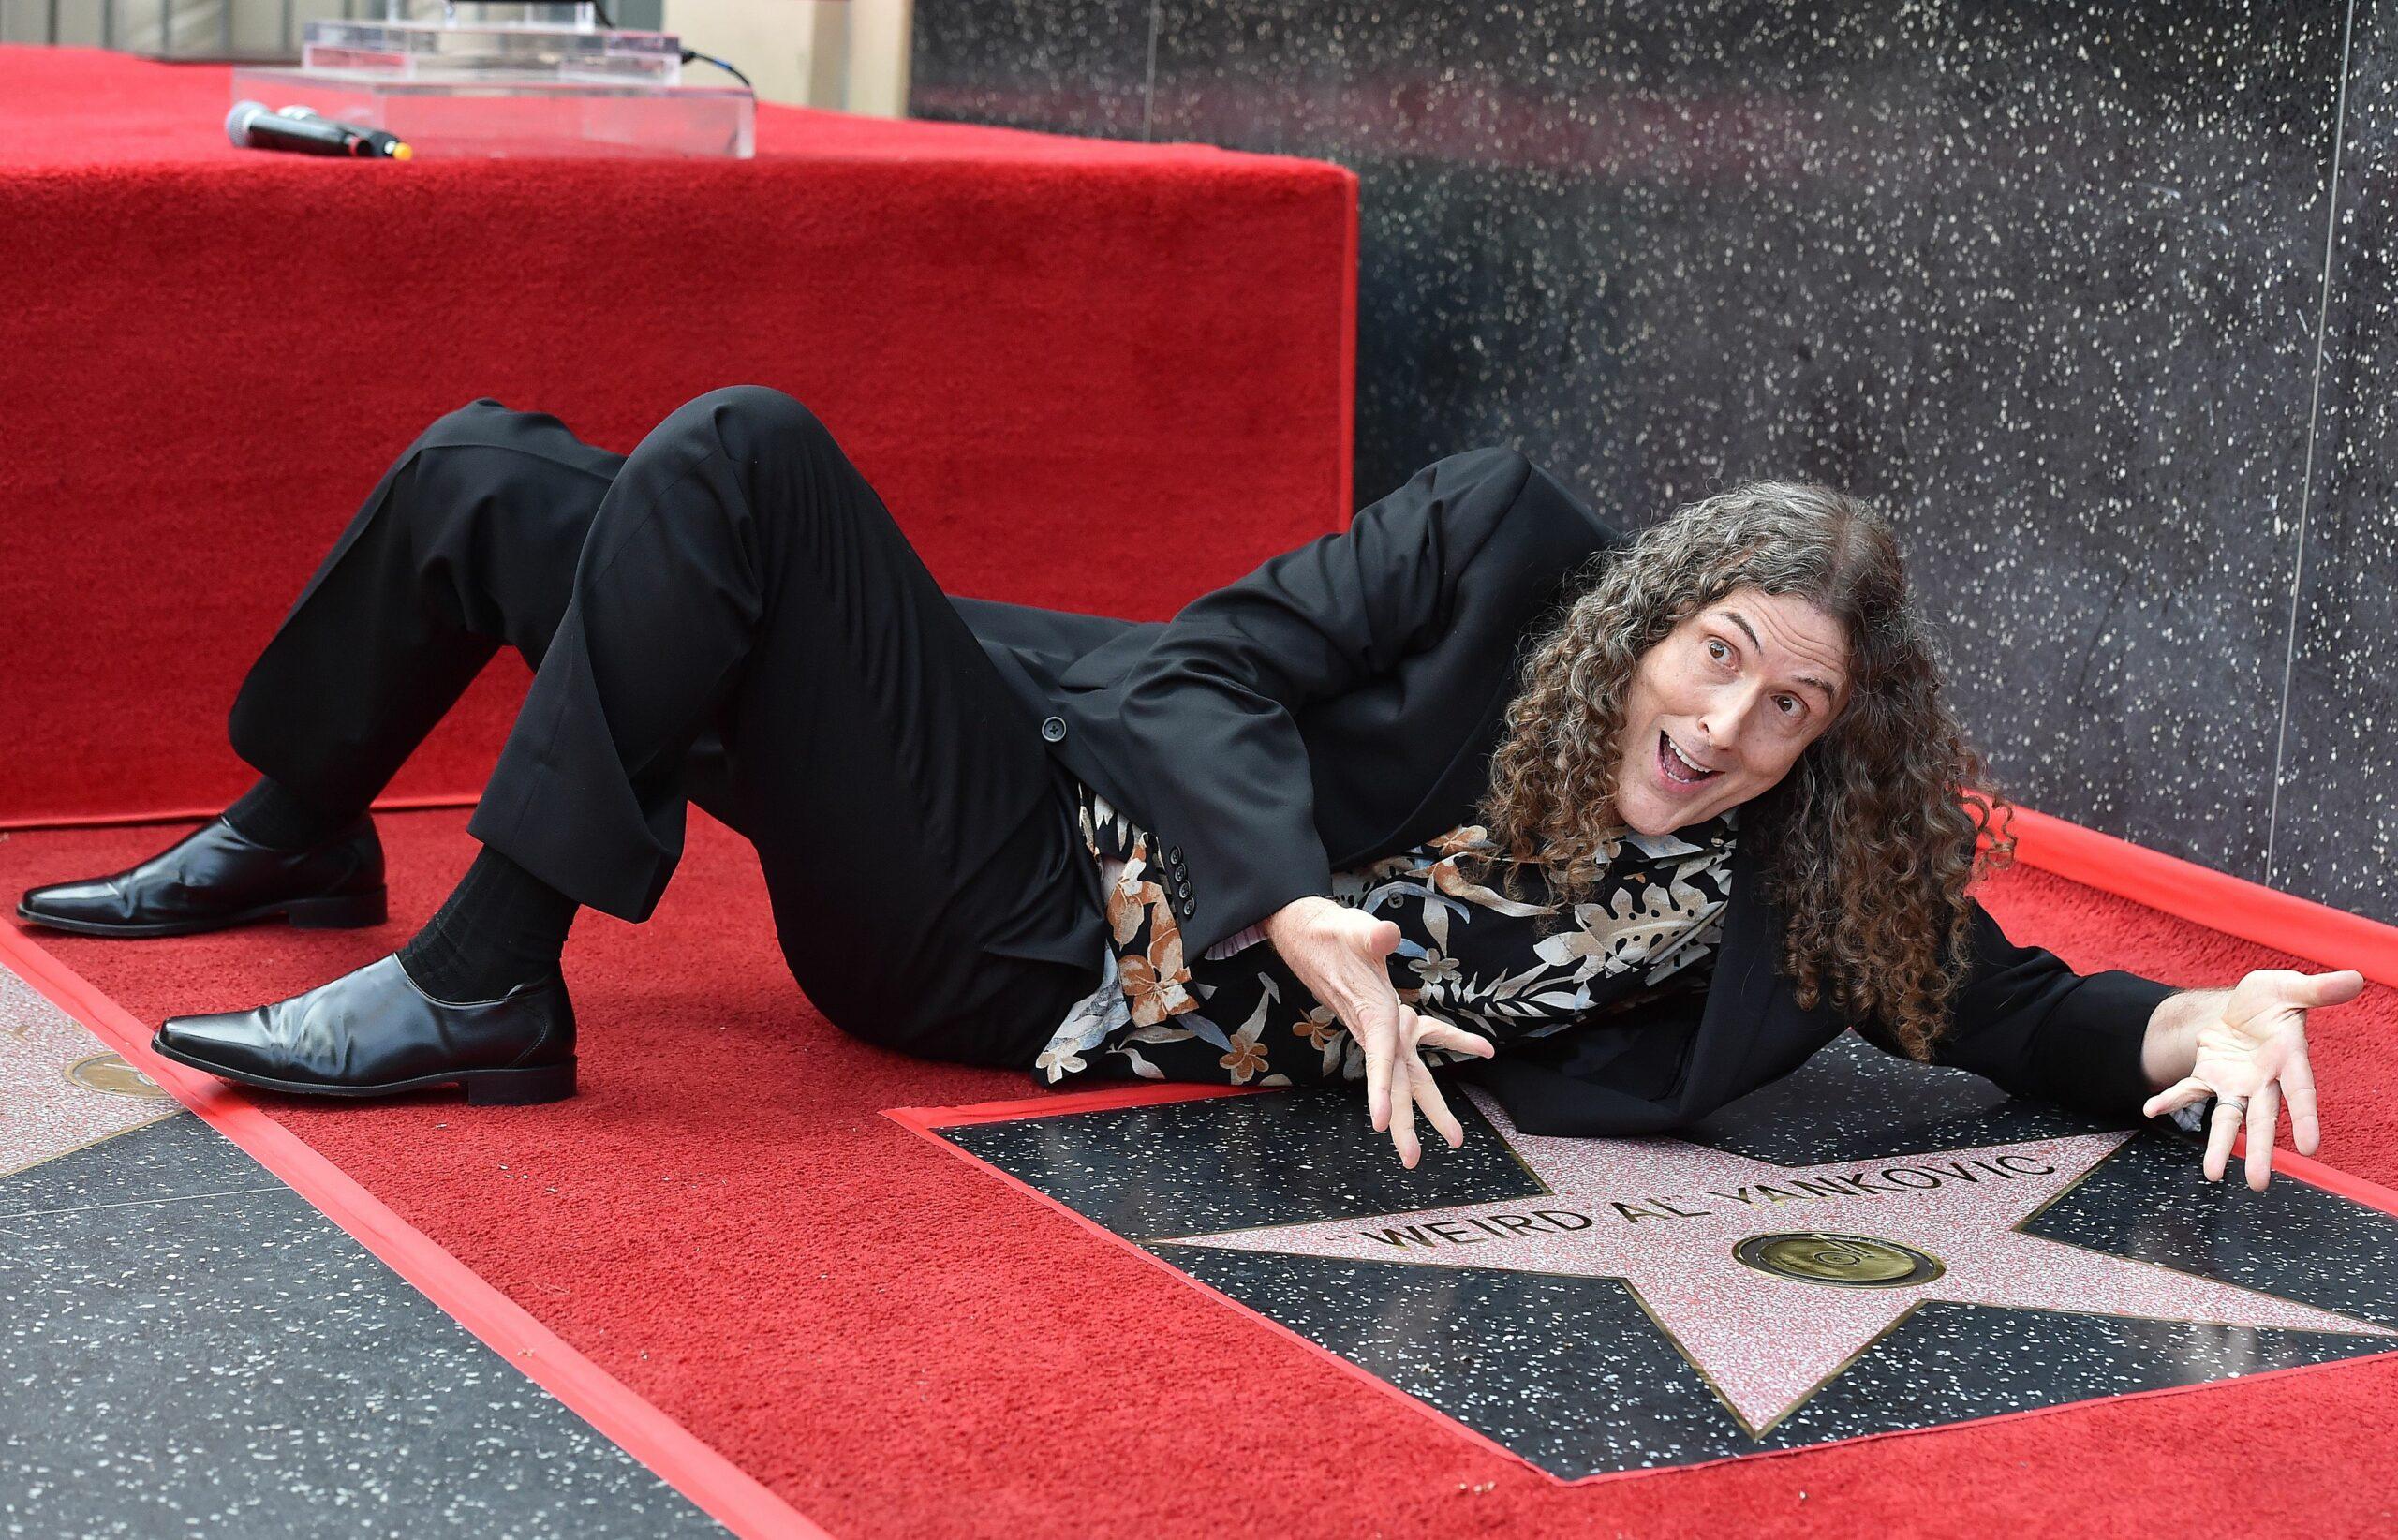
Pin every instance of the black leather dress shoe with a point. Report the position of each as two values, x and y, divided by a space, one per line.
372 1032
216 876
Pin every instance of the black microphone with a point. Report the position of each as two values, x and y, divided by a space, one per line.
297 128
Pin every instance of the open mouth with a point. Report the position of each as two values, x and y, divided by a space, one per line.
1675 768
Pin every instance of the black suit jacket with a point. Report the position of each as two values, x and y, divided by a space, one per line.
1341 703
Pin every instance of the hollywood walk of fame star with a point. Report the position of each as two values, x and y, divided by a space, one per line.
1834 1256
60 1089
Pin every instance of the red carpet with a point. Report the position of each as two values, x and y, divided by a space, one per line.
1040 348
724 1221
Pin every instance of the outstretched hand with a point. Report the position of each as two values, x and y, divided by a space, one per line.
2252 1057
1340 955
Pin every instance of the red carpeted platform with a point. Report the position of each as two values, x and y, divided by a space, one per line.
726 1223
1044 351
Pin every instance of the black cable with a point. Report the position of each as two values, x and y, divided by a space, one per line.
690 54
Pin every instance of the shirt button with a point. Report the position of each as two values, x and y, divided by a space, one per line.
1054 729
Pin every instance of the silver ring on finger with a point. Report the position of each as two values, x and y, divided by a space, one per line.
2236 1103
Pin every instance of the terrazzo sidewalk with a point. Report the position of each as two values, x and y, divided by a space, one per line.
193 1348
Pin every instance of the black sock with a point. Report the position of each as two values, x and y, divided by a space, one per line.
277 816
501 926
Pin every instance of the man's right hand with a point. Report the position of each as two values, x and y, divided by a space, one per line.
1340 954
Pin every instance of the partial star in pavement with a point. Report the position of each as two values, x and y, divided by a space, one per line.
1771 1279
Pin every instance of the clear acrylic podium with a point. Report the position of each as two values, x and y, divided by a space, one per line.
454 78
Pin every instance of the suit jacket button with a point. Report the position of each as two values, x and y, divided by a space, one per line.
1174 853
1054 729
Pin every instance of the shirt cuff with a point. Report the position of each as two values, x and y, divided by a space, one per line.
1234 941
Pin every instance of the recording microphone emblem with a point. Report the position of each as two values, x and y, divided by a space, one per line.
297 128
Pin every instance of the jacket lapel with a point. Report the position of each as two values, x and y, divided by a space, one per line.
1742 991
1752 1028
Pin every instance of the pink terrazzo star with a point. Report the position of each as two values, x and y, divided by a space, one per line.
1666 1216
61 1090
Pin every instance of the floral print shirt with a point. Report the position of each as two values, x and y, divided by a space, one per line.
1467 955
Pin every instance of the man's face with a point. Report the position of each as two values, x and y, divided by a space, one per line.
1739 688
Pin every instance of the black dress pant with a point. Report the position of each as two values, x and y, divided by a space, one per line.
728 615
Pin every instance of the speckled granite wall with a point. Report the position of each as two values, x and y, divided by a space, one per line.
2334 837
2045 279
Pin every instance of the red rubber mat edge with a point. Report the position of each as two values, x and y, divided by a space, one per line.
2201 895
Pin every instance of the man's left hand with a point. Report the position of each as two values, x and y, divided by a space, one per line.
2251 1057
